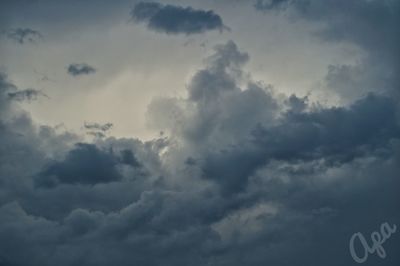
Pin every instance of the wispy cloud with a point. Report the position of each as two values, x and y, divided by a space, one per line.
26 95
97 126
97 130
23 35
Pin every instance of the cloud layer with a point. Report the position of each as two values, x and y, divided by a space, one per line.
291 179
242 174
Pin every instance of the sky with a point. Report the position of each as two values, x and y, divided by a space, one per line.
188 132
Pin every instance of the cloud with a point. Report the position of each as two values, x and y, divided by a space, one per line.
96 134
26 95
97 126
97 130
80 69
172 19
210 82
9 92
23 35
5 87
86 164
270 4
370 25
68 15
242 176
230 152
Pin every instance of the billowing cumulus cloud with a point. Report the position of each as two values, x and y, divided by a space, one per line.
292 178
80 69
302 133
172 19
23 35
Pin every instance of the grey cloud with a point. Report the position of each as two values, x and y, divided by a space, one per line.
97 130
354 81
97 126
23 35
4 83
288 160
271 4
26 95
215 102
339 132
80 69
5 87
128 157
96 134
302 133
172 19
371 25
297 104
336 136
208 83
307 209
141 228
242 176
86 164
9 91
25 144
54 15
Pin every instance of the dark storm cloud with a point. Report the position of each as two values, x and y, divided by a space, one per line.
175 19
246 177
303 133
26 95
23 35
128 157
86 164
80 69
333 133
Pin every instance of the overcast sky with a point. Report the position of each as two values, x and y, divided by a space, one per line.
188 132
